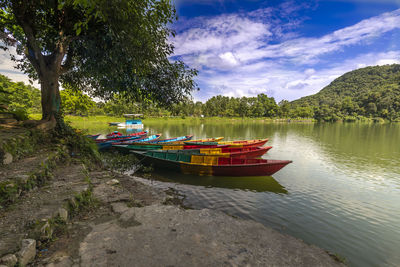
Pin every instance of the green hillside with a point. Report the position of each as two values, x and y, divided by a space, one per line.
370 92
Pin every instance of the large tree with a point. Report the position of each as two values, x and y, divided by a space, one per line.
100 46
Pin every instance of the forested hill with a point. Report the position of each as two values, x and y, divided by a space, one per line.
370 91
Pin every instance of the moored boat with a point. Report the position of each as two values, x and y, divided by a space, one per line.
107 143
212 139
122 137
211 165
239 143
144 146
93 136
173 145
236 152
139 140
172 140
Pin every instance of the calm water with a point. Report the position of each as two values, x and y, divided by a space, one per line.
341 193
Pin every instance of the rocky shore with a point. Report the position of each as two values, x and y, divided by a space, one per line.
57 210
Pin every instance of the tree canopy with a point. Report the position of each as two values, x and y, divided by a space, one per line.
99 46
75 102
19 97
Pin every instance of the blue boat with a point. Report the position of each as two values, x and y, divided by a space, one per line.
107 144
140 140
171 140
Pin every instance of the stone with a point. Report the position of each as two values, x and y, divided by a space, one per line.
119 207
28 252
113 182
7 158
9 260
63 213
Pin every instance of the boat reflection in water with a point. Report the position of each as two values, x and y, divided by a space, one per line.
248 183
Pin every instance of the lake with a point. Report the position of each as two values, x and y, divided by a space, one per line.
341 193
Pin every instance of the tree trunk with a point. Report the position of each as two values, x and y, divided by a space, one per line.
51 100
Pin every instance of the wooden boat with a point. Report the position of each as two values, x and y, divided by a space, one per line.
236 152
143 138
174 145
212 139
210 165
108 143
122 137
239 143
138 140
144 146
172 140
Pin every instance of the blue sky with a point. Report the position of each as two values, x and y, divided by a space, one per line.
285 49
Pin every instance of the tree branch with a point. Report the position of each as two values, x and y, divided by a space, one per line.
68 62
36 58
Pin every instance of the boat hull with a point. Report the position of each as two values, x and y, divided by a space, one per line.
216 166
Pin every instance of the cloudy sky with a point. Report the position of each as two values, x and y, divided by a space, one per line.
286 49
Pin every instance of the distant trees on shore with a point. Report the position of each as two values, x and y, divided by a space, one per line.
368 93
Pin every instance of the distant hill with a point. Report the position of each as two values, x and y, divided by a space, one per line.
371 91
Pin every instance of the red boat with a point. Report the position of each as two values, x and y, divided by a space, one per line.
235 152
245 143
239 143
211 165
124 137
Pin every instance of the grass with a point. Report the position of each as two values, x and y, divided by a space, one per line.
76 121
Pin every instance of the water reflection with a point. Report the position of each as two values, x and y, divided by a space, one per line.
251 183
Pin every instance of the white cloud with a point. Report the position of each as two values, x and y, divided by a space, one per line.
229 58
244 54
7 68
284 83
386 61
248 39
310 71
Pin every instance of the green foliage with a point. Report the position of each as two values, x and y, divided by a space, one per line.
21 114
119 162
21 99
81 202
368 92
8 193
75 102
76 143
